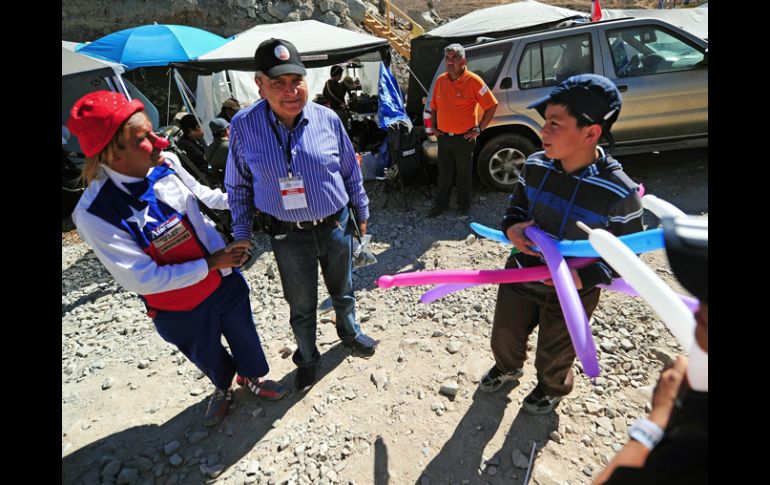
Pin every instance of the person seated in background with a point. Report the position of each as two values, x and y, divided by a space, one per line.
229 108
216 152
334 92
671 444
192 142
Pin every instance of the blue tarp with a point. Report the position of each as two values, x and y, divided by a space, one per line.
390 107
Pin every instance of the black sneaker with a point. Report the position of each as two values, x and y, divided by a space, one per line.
362 345
495 378
538 402
218 407
436 210
304 379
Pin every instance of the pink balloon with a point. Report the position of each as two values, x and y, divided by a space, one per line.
478 276
574 313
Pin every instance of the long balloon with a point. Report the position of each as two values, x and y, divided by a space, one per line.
478 276
660 207
671 310
618 284
639 242
574 313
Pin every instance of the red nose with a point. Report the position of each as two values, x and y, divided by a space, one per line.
160 143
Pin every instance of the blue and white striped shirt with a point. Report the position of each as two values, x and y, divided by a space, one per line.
321 154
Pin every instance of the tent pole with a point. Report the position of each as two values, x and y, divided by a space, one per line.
168 97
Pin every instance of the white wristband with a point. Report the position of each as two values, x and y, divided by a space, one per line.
646 432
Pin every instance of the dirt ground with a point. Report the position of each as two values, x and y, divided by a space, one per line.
127 396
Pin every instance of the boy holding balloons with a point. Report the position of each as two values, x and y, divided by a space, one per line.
571 180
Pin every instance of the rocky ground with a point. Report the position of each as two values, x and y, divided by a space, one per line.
132 406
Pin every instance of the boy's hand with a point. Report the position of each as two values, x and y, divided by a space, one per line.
575 277
516 234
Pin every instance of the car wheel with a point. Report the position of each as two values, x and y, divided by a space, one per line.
501 159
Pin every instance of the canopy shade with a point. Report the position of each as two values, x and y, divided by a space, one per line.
153 45
319 45
74 64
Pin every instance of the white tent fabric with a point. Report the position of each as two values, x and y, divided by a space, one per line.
212 90
306 35
504 17
73 63
692 20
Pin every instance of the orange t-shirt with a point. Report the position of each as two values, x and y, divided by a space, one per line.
457 102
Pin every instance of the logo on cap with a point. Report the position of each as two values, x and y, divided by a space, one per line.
281 52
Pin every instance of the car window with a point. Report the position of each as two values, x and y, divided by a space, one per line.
644 50
550 62
486 62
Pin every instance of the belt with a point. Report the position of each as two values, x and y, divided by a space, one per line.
454 134
287 225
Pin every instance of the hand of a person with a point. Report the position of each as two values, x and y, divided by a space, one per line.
666 390
362 228
516 235
575 277
472 134
228 257
241 244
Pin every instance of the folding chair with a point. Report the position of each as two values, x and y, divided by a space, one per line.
406 174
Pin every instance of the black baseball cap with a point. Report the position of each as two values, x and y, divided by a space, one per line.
276 57
591 96
687 248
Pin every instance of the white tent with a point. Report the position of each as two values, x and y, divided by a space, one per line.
693 20
320 45
73 64
503 18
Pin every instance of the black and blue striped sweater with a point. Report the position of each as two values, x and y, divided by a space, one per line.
601 195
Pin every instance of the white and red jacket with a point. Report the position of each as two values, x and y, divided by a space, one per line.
154 242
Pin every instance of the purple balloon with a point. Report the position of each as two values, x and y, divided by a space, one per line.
620 285
441 291
574 313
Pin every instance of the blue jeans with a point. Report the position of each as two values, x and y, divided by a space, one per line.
298 255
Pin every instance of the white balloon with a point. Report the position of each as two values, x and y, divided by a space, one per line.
666 304
660 207
698 368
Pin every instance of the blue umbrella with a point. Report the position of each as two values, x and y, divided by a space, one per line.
153 45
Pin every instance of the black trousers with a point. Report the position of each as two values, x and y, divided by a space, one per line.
455 163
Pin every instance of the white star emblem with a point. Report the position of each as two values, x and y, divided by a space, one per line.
140 218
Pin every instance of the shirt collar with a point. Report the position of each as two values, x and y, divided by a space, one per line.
301 119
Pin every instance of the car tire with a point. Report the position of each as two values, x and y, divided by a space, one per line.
501 159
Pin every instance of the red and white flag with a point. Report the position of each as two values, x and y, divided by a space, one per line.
596 11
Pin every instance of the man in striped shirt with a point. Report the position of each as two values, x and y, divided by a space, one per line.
295 164
571 180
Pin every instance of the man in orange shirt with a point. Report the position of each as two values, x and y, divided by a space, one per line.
457 95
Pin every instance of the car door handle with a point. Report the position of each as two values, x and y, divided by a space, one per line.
622 88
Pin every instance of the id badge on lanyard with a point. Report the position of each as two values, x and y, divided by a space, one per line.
292 192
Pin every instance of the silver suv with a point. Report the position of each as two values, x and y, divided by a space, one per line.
661 71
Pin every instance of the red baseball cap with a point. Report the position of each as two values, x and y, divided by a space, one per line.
96 117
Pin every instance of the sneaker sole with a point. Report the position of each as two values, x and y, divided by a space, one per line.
505 379
531 409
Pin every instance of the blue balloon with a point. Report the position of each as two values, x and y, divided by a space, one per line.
638 242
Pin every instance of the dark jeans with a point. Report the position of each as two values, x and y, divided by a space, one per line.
455 163
519 309
298 255
197 333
